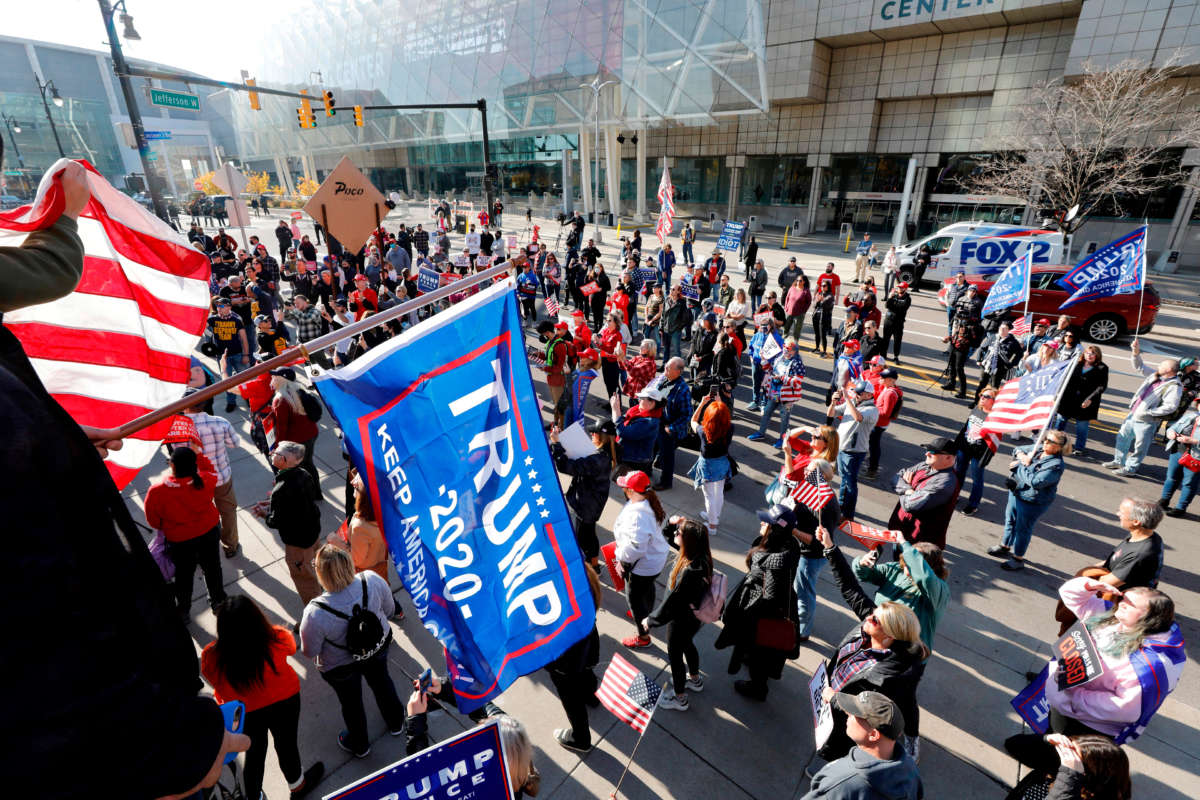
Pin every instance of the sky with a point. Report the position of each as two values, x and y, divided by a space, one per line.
215 38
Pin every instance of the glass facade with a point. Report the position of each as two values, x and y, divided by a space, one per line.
776 181
669 60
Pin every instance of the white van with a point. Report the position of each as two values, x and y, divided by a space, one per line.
980 248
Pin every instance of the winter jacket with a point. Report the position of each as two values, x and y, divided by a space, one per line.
294 512
1038 482
765 592
679 602
1001 357
637 437
921 590
758 283
589 481
180 510
638 539
678 411
859 776
924 514
675 317
1159 402
757 341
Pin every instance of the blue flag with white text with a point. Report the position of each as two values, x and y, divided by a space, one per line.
1117 268
443 425
1012 286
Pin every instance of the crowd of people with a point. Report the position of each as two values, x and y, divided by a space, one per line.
671 379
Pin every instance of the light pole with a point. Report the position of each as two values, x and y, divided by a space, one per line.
596 86
49 86
108 11
13 129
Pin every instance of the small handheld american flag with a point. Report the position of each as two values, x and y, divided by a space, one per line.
1020 325
813 491
629 694
551 306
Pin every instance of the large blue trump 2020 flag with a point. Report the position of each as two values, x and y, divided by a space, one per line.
1117 268
1012 286
444 426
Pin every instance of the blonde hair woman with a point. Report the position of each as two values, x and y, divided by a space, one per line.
292 422
323 636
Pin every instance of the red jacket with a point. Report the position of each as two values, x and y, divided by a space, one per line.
181 510
277 684
290 426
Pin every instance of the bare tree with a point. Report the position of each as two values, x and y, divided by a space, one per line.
1103 136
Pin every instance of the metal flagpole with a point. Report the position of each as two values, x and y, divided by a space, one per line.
1054 409
1137 322
632 755
304 349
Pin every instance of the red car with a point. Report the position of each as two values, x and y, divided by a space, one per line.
1102 320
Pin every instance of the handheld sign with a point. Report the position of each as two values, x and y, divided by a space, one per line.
822 713
763 318
731 235
1032 705
462 261
590 289
689 291
347 205
447 278
471 764
1078 660
472 242
647 274
427 280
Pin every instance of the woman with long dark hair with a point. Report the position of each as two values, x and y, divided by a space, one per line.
181 505
249 662
641 550
1081 398
1089 768
686 587
590 479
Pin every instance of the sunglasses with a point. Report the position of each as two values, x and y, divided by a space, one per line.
873 620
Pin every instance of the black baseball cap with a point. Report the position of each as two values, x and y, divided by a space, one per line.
941 446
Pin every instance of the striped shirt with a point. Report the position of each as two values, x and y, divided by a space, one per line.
855 657
216 436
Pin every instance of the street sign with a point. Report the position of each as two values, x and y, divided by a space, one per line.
170 99
154 136
237 212
152 156
347 205
230 179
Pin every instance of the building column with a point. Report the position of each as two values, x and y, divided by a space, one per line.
612 166
568 184
1183 214
410 182
918 199
285 177
819 164
640 171
585 171
736 164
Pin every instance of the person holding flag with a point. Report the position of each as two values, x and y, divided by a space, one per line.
1031 489
816 506
975 449
1155 400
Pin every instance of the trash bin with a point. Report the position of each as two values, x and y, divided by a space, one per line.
460 223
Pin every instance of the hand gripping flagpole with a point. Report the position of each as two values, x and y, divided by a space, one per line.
302 350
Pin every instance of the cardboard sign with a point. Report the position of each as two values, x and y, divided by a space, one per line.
471 764
763 318
462 261
472 242
731 235
590 289
353 207
483 262
1078 659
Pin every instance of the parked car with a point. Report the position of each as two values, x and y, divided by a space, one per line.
1101 320
9 201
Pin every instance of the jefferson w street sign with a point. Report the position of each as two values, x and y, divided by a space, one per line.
170 99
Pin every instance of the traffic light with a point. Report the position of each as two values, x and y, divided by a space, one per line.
305 113
329 108
254 104
358 116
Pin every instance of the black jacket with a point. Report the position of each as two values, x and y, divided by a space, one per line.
758 284
294 512
84 684
765 592
689 591
701 356
751 254
1082 386
589 481
895 675
897 306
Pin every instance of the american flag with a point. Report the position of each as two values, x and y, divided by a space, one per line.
975 432
666 196
813 491
868 536
1020 325
629 694
1028 402
120 345
551 306
790 389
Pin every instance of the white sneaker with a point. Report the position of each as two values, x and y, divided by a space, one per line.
673 702
695 684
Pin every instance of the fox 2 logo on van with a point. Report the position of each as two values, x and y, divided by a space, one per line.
1004 249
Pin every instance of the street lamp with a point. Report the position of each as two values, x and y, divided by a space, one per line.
121 68
57 100
596 86
13 128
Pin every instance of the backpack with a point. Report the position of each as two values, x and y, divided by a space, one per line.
713 604
365 634
312 406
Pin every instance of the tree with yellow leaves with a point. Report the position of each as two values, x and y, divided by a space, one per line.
257 182
307 187
207 186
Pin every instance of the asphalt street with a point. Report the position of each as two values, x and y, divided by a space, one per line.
998 625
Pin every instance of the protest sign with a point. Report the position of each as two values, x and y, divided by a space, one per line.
689 291
427 280
468 497
1078 660
763 318
447 278
471 764
512 241
731 235
1032 705
868 536
482 262
822 713
471 240
347 205
770 348
463 260
648 274
590 289
610 560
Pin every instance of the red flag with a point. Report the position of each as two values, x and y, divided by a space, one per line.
628 693
120 345
868 536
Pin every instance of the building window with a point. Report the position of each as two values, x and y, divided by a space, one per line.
776 181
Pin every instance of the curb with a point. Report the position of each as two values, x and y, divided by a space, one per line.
1184 303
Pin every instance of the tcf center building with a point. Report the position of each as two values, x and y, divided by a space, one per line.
794 111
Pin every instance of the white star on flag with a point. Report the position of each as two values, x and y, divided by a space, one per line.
533 475
537 487
545 514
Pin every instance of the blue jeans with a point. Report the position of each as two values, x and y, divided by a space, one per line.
950 321
1181 478
848 464
1019 519
672 345
756 378
651 332
1081 429
785 414
806 592
972 468
232 365
688 258
755 302
1135 436
666 281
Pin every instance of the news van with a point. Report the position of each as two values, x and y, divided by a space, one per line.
980 248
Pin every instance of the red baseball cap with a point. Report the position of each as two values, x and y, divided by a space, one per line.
851 344
561 326
590 354
636 481
578 313
903 284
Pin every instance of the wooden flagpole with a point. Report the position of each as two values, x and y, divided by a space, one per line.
632 755
302 350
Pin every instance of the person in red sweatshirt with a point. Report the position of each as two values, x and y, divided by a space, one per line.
181 506
292 423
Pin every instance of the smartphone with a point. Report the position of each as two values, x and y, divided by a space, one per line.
235 719
425 681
